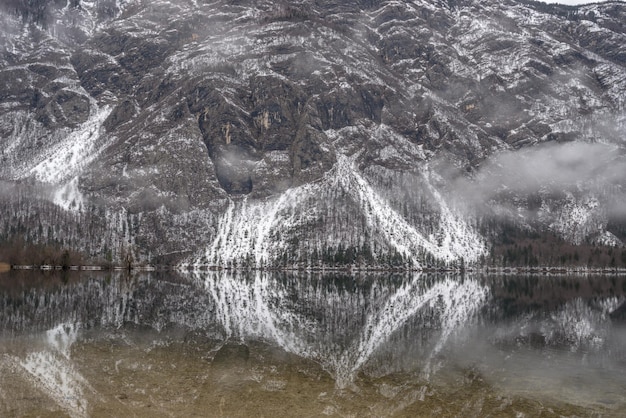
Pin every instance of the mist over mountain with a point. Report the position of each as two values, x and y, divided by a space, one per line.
255 133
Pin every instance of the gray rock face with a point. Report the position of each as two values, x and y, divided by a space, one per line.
259 132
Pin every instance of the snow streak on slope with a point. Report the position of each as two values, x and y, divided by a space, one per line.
260 308
82 146
255 229
259 232
61 164
454 241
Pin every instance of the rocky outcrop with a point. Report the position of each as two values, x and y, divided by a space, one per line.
184 109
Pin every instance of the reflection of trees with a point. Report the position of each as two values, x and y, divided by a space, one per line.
347 324
340 328
341 322
39 302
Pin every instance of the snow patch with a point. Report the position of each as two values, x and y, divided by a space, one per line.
608 239
579 324
69 196
81 147
578 219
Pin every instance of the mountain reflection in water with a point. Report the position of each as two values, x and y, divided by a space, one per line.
394 343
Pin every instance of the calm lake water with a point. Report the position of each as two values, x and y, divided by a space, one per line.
223 344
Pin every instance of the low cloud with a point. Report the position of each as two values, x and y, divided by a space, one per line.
588 168
573 2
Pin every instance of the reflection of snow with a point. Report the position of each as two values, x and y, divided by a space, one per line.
578 324
456 302
62 337
259 308
52 371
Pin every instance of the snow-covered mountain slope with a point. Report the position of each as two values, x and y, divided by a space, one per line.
322 132
261 232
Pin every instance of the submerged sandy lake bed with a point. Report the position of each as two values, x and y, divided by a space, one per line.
261 344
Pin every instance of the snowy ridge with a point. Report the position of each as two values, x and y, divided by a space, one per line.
454 241
259 231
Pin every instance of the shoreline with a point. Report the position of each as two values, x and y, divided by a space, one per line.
24 267
490 270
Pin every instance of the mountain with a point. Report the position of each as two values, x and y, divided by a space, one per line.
412 133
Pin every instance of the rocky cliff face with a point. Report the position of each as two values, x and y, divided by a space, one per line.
258 132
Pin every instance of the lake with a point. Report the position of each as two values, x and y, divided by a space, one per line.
267 344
